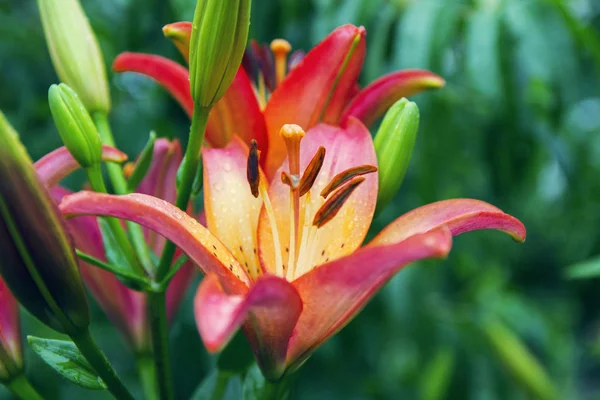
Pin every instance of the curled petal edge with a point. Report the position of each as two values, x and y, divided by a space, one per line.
459 215
272 305
56 165
375 99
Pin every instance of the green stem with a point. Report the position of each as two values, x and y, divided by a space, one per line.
85 343
126 274
147 373
157 312
188 170
117 178
157 309
21 387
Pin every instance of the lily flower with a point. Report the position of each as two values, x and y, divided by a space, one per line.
126 308
11 353
322 86
285 261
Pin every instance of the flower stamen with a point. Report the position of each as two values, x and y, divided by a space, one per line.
312 171
346 176
334 204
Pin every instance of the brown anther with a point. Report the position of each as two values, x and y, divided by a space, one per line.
345 176
253 172
334 204
290 180
312 171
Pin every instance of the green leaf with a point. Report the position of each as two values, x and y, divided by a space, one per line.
437 375
114 253
237 356
585 269
256 387
518 361
65 358
219 385
142 165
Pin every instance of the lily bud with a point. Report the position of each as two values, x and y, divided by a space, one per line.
38 261
75 52
75 126
219 36
11 353
394 145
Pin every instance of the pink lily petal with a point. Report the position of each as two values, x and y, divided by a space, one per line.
345 148
10 328
375 99
125 308
238 113
56 165
192 238
346 87
180 34
160 181
231 210
271 306
459 215
167 73
335 292
305 93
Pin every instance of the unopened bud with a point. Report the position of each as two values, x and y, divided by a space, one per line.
75 126
394 145
11 353
219 36
75 52
38 261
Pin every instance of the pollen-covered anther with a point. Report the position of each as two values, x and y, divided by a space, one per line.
312 171
252 171
345 176
291 180
334 204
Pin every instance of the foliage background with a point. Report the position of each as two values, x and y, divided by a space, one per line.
518 125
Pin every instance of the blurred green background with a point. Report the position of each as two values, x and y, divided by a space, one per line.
518 125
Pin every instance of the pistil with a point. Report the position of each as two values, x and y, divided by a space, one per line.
280 48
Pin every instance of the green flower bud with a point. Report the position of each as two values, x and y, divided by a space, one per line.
219 36
394 145
38 261
75 52
75 126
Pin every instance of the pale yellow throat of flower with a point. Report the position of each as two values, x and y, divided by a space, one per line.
305 217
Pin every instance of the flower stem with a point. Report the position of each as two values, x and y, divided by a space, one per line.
119 183
21 387
157 312
157 309
97 182
147 373
187 172
85 343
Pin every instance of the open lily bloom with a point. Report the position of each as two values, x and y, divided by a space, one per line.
321 87
284 261
11 354
126 308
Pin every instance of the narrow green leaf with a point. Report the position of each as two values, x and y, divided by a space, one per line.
219 385
518 361
136 281
437 375
585 270
142 165
65 358
114 253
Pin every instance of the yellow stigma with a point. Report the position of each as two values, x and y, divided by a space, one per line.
291 131
280 49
